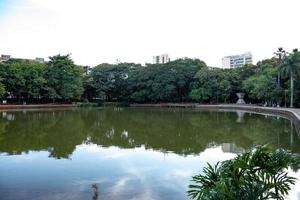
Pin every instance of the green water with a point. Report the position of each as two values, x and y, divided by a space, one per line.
126 153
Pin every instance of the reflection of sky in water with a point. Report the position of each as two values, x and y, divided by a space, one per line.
120 174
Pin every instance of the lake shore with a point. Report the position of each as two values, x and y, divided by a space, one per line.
290 113
33 106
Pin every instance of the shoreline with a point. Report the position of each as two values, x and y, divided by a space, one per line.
33 106
290 113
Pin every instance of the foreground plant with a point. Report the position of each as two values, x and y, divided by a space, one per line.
257 174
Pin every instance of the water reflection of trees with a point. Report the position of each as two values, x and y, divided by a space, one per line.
182 132
95 191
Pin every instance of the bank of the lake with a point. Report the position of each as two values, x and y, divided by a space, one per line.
34 106
290 113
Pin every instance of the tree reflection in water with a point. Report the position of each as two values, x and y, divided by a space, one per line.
184 132
95 190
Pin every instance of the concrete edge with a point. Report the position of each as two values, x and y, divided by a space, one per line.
34 107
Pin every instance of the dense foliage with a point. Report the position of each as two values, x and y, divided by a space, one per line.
30 81
258 174
63 79
272 81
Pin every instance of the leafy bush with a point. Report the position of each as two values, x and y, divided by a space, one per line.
257 174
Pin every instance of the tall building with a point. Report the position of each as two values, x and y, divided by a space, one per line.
234 61
161 59
40 60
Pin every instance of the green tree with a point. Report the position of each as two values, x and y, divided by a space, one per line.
170 82
280 55
262 86
290 66
2 90
89 91
110 81
23 78
257 174
64 79
211 85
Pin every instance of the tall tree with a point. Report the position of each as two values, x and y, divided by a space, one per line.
2 89
23 78
290 66
64 79
280 55
110 81
211 85
262 86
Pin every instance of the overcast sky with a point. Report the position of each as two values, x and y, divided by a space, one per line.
97 31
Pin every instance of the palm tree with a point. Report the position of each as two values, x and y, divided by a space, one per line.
290 66
280 55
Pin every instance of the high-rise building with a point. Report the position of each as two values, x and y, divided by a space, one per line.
40 60
161 59
234 61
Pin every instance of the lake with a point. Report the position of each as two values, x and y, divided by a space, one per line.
126 153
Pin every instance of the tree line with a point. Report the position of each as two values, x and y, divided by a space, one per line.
270 81
30 81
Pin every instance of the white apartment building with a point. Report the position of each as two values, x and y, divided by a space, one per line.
234 61
161 59
40 60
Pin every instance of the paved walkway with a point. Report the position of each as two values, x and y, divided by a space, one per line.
290 112
295 110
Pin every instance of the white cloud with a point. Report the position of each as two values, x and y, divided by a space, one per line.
97 31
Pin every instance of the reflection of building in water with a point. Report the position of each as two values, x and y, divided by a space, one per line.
8 116
240 115
124 134
212 145
118 109
232 148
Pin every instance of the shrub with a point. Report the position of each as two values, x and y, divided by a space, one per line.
257 174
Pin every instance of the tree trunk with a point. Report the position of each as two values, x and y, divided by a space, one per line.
292 89
278 80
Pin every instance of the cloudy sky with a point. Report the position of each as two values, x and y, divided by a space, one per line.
97 31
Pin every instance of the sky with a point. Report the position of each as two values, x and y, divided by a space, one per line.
98 31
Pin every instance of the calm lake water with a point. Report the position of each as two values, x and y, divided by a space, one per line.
125 153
